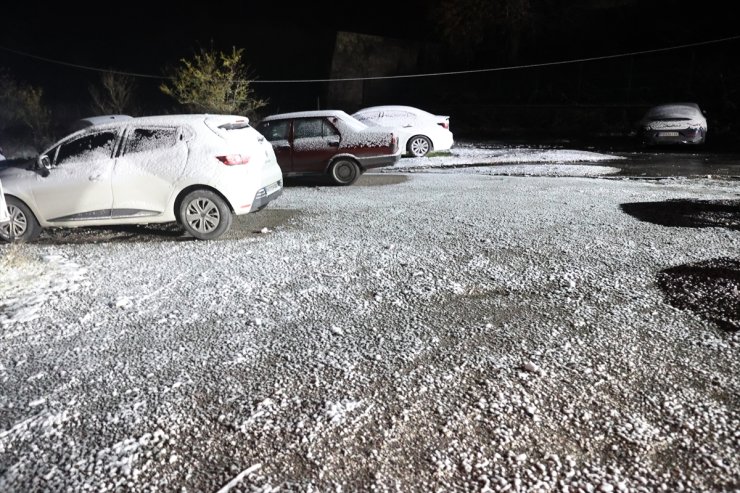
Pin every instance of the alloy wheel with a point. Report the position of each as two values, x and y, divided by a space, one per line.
17 225
202 215
419 146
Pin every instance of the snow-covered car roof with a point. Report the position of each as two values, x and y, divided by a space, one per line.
91 121
308 114
395 107
211 120
674 110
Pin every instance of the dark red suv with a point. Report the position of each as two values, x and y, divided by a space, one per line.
328 142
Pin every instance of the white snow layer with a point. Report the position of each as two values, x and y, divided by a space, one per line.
464 156
535 170
26 284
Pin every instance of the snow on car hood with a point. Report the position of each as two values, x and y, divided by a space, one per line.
12 168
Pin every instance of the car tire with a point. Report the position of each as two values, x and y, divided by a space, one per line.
344 172
419 146
23 226
204 214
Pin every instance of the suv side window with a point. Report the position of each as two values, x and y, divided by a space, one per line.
87 147
150 139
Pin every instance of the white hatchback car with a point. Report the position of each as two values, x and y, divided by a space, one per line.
198 170
419 132
4 215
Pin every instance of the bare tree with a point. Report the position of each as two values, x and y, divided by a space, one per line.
22 106
115 94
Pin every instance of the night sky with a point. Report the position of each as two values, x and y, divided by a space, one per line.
294 42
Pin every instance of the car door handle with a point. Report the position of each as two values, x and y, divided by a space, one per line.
281 146
96 177
333 144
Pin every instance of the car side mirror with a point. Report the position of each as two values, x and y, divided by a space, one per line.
43 163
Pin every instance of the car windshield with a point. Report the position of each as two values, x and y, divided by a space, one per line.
672 112
370 123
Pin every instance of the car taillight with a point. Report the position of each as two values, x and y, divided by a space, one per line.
233 159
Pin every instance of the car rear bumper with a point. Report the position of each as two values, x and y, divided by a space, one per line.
262 197
444 142
379 161
668 137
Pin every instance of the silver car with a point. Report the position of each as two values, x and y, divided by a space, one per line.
198 170
676 123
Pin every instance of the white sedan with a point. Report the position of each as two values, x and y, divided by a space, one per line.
198 170
419 132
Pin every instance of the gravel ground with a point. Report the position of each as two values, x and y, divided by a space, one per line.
441 332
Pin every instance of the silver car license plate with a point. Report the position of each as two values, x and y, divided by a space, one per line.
667 134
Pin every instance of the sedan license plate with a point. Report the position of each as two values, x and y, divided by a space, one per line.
667 134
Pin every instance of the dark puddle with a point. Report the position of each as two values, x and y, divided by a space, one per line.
688 213
366 180
711 289
113 234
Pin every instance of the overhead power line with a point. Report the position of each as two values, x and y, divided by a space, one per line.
390 77
77 65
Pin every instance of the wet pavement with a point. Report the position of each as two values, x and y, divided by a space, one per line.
669 161
718 159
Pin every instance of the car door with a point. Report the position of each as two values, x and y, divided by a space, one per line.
78 186
315 143
277 132
150 163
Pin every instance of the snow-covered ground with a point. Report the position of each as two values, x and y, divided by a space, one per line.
442 332
549 161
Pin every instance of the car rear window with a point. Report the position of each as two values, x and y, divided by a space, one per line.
238 125
353 123
274 130
229 129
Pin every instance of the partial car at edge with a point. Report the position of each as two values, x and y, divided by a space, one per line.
419 131
198 170
4 215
